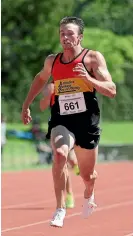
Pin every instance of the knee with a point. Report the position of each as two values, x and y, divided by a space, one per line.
90 176
60 154
62 151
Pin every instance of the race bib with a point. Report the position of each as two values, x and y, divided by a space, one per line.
72 103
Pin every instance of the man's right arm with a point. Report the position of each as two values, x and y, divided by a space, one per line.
39 81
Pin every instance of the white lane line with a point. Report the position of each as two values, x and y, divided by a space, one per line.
131 234
70 216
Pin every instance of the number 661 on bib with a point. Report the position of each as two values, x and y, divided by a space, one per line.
72 103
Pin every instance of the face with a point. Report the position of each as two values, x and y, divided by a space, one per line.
69 36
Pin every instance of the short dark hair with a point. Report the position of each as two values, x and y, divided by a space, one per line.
74 20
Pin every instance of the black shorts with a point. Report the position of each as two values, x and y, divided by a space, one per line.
49 129
86 136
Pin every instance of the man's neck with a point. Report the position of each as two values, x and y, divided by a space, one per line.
70 54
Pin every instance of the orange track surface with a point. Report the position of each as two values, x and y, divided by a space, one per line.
28 203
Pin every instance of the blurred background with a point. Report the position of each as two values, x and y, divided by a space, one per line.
29 33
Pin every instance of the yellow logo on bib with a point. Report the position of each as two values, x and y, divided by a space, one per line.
71 85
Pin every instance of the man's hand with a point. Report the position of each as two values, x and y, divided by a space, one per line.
81 71
25 115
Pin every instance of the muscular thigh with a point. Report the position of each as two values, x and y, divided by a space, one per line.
61 136
86 159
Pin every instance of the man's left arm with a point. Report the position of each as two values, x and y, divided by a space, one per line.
103 81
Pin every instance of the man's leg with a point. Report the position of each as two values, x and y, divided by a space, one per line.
62 142
86 161
69 193
69 185
72 160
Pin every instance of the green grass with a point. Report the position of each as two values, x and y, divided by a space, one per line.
19 126
21 154
112 133
117 133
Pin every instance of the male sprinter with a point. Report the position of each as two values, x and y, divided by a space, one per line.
45 102
77 74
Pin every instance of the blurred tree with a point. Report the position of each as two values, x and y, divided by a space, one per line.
113 15
30 33
117 51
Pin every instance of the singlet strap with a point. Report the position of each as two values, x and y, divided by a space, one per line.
56 57
89 72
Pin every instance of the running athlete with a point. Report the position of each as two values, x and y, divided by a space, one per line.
77 74
45 102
